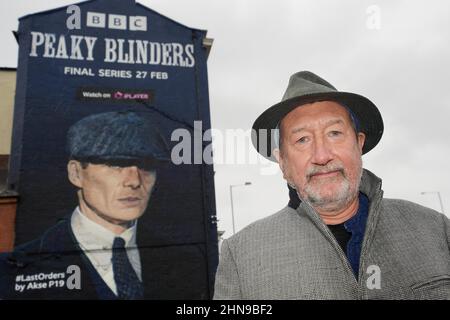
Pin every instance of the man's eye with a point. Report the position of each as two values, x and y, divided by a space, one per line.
335 133
302 140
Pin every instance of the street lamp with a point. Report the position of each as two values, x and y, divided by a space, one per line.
231 196
439 196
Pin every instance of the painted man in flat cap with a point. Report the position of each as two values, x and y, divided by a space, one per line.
93 253
338 238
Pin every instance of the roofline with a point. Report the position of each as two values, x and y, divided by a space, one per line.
8 69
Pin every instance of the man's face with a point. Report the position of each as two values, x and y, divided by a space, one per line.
118 194
321 154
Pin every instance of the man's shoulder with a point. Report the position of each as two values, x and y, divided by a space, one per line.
53 239
407 211
267 227
410 208
50 253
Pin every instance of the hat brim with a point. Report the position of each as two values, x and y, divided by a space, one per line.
368 115
127 161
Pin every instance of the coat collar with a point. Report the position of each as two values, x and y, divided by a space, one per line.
371 186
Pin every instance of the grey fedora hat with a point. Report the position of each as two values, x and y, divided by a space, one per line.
305 87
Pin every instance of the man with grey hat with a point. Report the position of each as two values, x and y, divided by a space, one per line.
338 238
94 252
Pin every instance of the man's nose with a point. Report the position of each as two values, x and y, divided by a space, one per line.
322 153
132 177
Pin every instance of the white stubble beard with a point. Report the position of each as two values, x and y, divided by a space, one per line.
345 194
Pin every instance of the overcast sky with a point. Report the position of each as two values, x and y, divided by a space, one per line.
403 67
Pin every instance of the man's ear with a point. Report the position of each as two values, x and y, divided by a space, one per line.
277 154
361 140
74 173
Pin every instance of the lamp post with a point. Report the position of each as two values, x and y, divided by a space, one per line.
231 197
439 196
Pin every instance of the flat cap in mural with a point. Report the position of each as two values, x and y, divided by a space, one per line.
117 138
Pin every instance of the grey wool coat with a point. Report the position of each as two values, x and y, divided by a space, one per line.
293 255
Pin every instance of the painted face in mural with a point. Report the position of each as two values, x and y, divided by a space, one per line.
112 196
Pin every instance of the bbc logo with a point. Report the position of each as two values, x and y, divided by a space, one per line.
116 21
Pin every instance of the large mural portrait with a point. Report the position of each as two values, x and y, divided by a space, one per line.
104 211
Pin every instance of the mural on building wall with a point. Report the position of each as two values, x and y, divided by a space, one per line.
104 212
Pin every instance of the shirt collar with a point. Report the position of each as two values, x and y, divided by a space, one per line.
357 223
92 236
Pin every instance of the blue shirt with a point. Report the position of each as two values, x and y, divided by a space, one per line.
356 225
